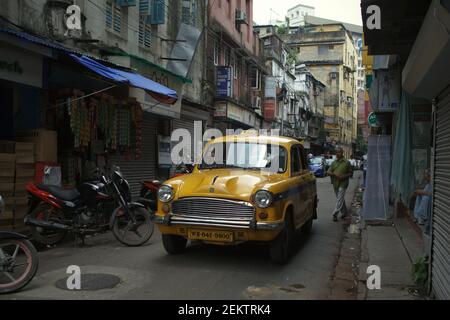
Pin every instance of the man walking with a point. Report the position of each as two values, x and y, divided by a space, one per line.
340 173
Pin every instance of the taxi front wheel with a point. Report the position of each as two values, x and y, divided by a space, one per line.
280 247
174 244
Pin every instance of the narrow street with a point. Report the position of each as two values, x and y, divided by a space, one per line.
203 272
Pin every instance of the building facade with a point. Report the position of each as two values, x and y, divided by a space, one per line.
235 66
280 85
297 15
330 54
143 35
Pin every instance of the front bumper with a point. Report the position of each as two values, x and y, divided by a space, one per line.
176 220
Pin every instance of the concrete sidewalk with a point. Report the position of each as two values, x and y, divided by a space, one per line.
394 247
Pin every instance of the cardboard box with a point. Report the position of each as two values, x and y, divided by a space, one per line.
6 159
25 148
46 143
20 212
6 220
6 189
7 175
25 159
7 146
20 189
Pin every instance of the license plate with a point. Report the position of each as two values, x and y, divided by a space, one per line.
210 235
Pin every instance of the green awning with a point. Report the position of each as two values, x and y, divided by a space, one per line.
121 53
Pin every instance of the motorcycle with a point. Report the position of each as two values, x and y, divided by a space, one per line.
94 207
149 189
18 259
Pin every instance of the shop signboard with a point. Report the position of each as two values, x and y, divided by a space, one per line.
221 110
224 88
269 109
21 66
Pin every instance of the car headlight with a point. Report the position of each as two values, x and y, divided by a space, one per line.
165 193
263 199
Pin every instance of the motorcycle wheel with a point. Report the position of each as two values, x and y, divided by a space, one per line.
44 236
20 262
126 233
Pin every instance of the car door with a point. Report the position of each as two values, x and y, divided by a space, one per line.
308 190
297 177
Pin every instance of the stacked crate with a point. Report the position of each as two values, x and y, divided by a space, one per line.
25 171
7 176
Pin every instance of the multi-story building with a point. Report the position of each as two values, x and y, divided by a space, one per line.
311 93
297 15
330 54
235 66
160 39
281 77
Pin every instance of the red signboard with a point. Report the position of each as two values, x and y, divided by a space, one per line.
269 109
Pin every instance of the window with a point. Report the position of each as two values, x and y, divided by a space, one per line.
255 77
226 56
113 16
145 32
296 165
189 13
145 29
216 53
236 67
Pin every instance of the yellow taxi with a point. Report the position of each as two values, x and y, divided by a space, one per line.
248 188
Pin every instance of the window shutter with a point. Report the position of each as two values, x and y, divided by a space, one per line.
117 19
194 13
158 10
186 12
126 3
144 8
145 32
109 17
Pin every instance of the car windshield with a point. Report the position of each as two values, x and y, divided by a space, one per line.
244 155
315 161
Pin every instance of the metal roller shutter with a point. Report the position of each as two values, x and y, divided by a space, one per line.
185 123
440 265
145 168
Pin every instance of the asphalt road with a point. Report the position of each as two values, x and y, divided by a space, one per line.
203 272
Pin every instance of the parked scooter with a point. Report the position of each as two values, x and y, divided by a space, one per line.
149 189
93 207
18 259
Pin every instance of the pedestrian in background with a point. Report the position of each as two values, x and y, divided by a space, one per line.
340 172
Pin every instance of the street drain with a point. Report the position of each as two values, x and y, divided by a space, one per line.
91 282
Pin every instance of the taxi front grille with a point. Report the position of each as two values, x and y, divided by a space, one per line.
214 209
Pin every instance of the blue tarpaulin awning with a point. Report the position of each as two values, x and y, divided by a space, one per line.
156 90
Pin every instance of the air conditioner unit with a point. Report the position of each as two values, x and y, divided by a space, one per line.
256 103
333 75
241 16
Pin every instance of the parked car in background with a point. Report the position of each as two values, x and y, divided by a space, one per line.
317 166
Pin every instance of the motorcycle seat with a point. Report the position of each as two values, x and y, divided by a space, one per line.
63 194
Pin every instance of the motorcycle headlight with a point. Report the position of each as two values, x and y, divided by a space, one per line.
165 193
263 199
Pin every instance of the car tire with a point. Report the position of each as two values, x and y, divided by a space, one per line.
174 244
307 227
280 247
